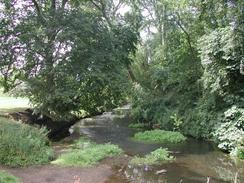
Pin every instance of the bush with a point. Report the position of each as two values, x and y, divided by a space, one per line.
22 145
156 157
240 153
7 178
159 136
86 153
230 131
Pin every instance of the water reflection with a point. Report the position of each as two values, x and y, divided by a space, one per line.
195 160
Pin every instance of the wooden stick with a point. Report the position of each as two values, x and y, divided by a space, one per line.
208 179
236 177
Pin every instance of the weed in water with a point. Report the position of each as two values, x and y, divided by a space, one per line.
159 136
156 157
84 153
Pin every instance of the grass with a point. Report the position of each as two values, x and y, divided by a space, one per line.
10 104
159 136
85 154
23 145
137 125
156 157
7 178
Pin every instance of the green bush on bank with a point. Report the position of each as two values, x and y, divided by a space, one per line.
229 131
22 145
154 158
84 153
240 153
7 178
159 136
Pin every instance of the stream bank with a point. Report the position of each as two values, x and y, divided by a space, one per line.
195 159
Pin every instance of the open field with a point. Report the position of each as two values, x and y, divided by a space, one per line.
12 104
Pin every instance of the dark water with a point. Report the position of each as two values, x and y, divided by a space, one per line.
195 160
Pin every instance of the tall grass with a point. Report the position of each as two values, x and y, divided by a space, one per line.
7 178
22 145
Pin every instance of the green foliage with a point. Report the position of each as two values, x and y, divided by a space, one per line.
86 153
22 145
137 125
70 59
7 178
156 157
230 131
159 136
240 153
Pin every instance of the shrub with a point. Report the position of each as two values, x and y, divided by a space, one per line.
22 145
156 157
159 136
86 153
7 178
240 153
230 131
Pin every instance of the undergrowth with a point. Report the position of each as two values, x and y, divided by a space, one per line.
22 145
7 178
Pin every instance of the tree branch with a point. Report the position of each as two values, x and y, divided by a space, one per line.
64 3
188 38
38 10
53 6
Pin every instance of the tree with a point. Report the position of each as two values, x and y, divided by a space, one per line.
68 57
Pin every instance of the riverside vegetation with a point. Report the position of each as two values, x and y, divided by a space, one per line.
159 136
85 153
7 178
179 63
156 157
23 145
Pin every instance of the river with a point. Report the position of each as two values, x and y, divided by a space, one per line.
195 159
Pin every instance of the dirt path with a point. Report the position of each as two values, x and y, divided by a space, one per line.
55 174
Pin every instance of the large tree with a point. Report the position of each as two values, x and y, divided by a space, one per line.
65 55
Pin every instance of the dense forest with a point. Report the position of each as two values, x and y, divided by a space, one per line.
179 63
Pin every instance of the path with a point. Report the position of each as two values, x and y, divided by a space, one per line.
55 174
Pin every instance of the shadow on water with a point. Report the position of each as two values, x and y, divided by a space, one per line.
195 159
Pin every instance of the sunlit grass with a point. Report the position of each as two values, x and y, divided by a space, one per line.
10 104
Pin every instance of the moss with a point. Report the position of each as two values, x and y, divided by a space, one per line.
154 158
159 136
85 154
7 178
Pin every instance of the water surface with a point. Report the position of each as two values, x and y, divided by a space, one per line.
195 159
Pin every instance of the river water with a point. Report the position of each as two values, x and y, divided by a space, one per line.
195 159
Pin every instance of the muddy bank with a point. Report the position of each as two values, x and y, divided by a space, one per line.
57 129
55 174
